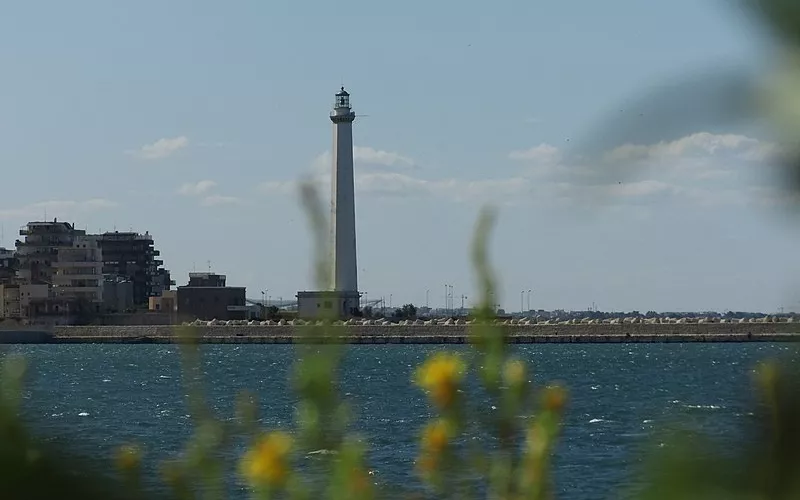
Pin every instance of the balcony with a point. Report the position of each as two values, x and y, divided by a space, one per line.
77 263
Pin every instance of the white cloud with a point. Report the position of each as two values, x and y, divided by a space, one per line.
380 157
398 184
217 200
196 188
162 148
543 153
701 169
56 209
702 144
639 188
364 156
278 187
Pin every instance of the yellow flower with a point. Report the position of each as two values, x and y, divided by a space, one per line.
266 463
128 458
514 373
555 398
536 440
440 375
436 436
427 465
359 482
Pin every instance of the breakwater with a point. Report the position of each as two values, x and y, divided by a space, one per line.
438 334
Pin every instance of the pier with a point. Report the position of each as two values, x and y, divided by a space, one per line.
417 334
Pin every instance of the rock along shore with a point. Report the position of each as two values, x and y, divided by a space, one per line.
437 334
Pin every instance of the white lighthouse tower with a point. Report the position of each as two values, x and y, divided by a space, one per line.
343 200
343 299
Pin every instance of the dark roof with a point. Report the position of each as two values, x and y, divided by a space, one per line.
342 93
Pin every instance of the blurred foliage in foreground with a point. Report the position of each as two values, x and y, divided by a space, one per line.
516 466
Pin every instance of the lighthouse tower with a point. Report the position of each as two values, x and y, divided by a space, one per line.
343 207
343 299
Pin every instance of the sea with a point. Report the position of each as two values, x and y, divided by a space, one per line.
621 398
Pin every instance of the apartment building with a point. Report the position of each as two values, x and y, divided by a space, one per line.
39 250
133 256
78 275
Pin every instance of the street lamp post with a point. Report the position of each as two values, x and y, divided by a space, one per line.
529 301
521 300
427 292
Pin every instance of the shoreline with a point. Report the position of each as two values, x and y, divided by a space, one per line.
441 339
414 334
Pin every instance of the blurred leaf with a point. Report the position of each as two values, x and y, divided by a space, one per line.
765 466
781 16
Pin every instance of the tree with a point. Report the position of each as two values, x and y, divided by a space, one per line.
272 312
408 311
367 312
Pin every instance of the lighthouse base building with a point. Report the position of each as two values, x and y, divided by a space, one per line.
328 304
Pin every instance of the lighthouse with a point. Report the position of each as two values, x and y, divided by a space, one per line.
343 298
343 199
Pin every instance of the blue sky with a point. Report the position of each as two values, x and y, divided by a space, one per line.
193 120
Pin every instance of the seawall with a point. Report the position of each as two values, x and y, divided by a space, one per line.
440 334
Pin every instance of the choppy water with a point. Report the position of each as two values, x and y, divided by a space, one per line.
619 395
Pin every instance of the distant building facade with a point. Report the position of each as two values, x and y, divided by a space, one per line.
78 275
10 301
39 250
83 275
133 256
206 297
166 303
8 265
35 302
117 294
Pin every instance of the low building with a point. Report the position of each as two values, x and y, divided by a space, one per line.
167 302
117 294
207 280
333 305
206 297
